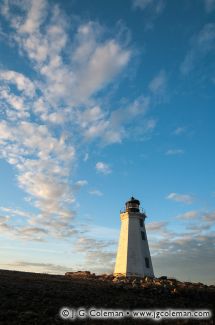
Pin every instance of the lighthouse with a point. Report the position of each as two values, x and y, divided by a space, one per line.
133 255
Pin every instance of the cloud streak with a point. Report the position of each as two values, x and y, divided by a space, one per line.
201 45
153 5
209 5
174 152
39 267
184 198
96 192
103 168
188 215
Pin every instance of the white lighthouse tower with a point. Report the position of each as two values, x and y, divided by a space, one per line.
133 255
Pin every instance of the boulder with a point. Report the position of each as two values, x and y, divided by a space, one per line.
148 279
80 274
164 277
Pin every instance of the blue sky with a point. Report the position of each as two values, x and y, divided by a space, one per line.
101 100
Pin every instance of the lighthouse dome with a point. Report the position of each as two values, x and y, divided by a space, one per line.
132 205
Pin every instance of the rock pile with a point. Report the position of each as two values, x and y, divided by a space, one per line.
80 274
162 285
89 275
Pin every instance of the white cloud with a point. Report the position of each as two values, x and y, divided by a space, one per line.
73 83
156 226
42 162
96 130
16 212
117 126
86 41
158 84
156 6
209 5
188 215
201 44
34 17
29 231
90 115
85 244
92 121
173 152
185 198
187 64
96 192
39 267
3 219
103 168
5 133
55 118
179 130
6 228
209 217
91 57
79 184
45 188
86 157
22 83
14 101
106 61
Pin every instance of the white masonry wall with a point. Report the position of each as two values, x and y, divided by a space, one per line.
132 249
121 259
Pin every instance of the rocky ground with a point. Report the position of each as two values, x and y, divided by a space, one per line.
33 298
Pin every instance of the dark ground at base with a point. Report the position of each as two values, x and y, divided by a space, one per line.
35 299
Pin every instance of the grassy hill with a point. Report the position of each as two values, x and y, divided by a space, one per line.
34 298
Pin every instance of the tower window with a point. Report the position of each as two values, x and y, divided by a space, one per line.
141 222
147 262
143 235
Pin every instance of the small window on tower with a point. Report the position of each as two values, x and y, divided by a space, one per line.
141 222
147 262
143 235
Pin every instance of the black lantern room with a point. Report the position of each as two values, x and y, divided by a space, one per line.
132 205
